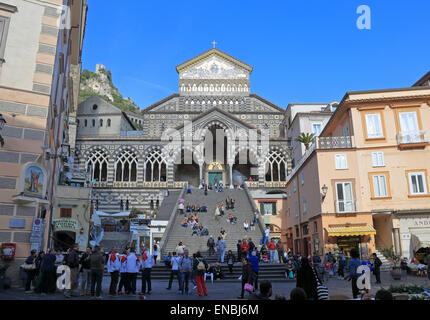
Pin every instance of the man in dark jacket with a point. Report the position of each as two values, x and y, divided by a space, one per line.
211 246
251 245
248 276
47 283
73 263
97 262
239 244
30 273
85 272
377 263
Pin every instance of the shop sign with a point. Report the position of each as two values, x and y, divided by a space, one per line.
66 225
422 223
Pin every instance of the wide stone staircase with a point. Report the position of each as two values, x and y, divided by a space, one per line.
386 265
243 211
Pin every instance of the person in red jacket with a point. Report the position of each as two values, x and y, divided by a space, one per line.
272 249
244 248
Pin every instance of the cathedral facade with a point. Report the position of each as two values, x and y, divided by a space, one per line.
213 130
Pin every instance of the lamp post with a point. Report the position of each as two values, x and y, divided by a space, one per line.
324 190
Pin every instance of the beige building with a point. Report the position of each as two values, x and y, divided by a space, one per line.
35 54
369 189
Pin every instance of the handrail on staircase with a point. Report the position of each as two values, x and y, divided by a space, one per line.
254 207
170 224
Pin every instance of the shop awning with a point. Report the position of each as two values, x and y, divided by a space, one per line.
350 231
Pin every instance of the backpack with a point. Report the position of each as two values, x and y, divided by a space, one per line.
201 266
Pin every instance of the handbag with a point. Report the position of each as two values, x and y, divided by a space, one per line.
322 290
248 287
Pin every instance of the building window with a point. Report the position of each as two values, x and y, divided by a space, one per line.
297 232
341 161
155 167
101 122
109 122
93 122
65 212
374 126
97 164
77 123
315 227
95 107
380 185
378 159
410 131
305 229
86 122
4 27
268 208
294 186
276 167
344 199
289 212
304 205
126 167
302 178
316 128
417 183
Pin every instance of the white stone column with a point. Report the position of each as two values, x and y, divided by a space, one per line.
201 175
231 175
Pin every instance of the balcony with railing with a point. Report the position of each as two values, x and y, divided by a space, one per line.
346 206
343 142
412 139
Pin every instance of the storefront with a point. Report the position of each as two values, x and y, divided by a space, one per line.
414 234
347 238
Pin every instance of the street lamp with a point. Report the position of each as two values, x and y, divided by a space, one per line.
324 189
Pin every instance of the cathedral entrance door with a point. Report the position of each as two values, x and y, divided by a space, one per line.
215 177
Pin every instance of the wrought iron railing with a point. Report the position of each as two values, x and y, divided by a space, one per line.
406 137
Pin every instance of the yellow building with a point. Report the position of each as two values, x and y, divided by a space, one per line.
364 181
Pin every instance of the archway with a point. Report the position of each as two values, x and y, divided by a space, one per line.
245 166
187 172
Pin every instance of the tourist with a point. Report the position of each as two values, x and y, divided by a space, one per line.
185 272
272 249
230 261
180 248
97 263
254 261
220 246
221 210
204 232
206 190
113 267
354 263
252 225
132 267
203 209
306 280
195 230
123 272
73 263
377 263
31 272
298 294
289 270
227 203
280 251
222 233
148 262
265 292
332 261
232 202
48 278
218 273
199 267
211 246
85 272
167 259
266 236
184 223
244 248
251 245
209 272
246 225
248 276
156 253
383 294
341 267
174 272
239 249
264 254
59 259
217 212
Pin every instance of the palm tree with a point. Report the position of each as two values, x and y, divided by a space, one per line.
306 139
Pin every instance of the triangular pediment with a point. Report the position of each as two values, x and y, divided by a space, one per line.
214 64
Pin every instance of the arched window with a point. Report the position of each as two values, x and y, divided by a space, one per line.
126 167
97 164
93 122
155 167
276 167
77 122
101 122
86 122
109 122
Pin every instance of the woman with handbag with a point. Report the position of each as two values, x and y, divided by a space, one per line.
30 270
306 279
248 277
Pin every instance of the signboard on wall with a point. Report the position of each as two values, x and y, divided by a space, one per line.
66 224
36 236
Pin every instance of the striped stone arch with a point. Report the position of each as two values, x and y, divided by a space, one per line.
97 160
126 164
177 153
154 161
276 164
199 133
254 151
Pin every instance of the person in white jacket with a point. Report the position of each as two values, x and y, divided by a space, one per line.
147 264
113 267
133 267
123 270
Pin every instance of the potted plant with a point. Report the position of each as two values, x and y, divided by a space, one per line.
394 258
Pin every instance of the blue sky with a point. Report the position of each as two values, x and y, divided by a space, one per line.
301 51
